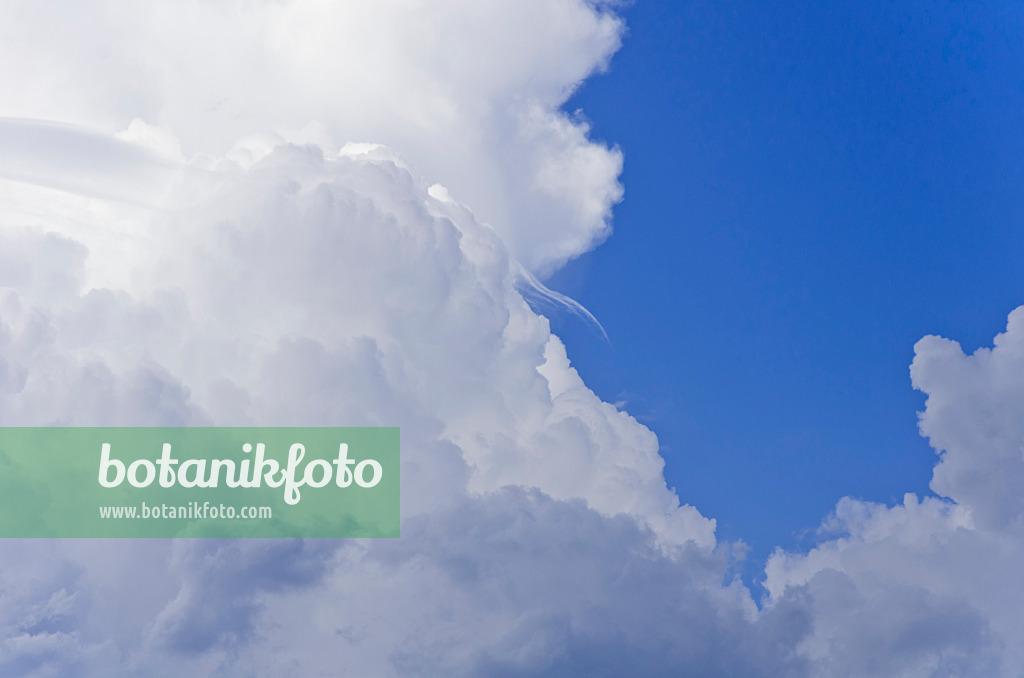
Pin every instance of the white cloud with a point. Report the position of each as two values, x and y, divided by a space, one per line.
974 418
219 238
468 91
311 291
930 587
301 289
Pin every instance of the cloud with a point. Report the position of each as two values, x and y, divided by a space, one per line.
301 213
973 418
313 290
929 587
474 591
299 288
468 91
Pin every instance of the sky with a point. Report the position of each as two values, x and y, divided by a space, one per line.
794 450
810 189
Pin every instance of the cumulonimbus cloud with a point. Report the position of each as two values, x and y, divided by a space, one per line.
194 229
468 91
299 289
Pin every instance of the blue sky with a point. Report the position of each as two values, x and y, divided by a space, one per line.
810 189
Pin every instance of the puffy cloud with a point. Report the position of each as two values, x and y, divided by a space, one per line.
313 290
208 238
468 91
472 591
973 418
291 287
929 587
